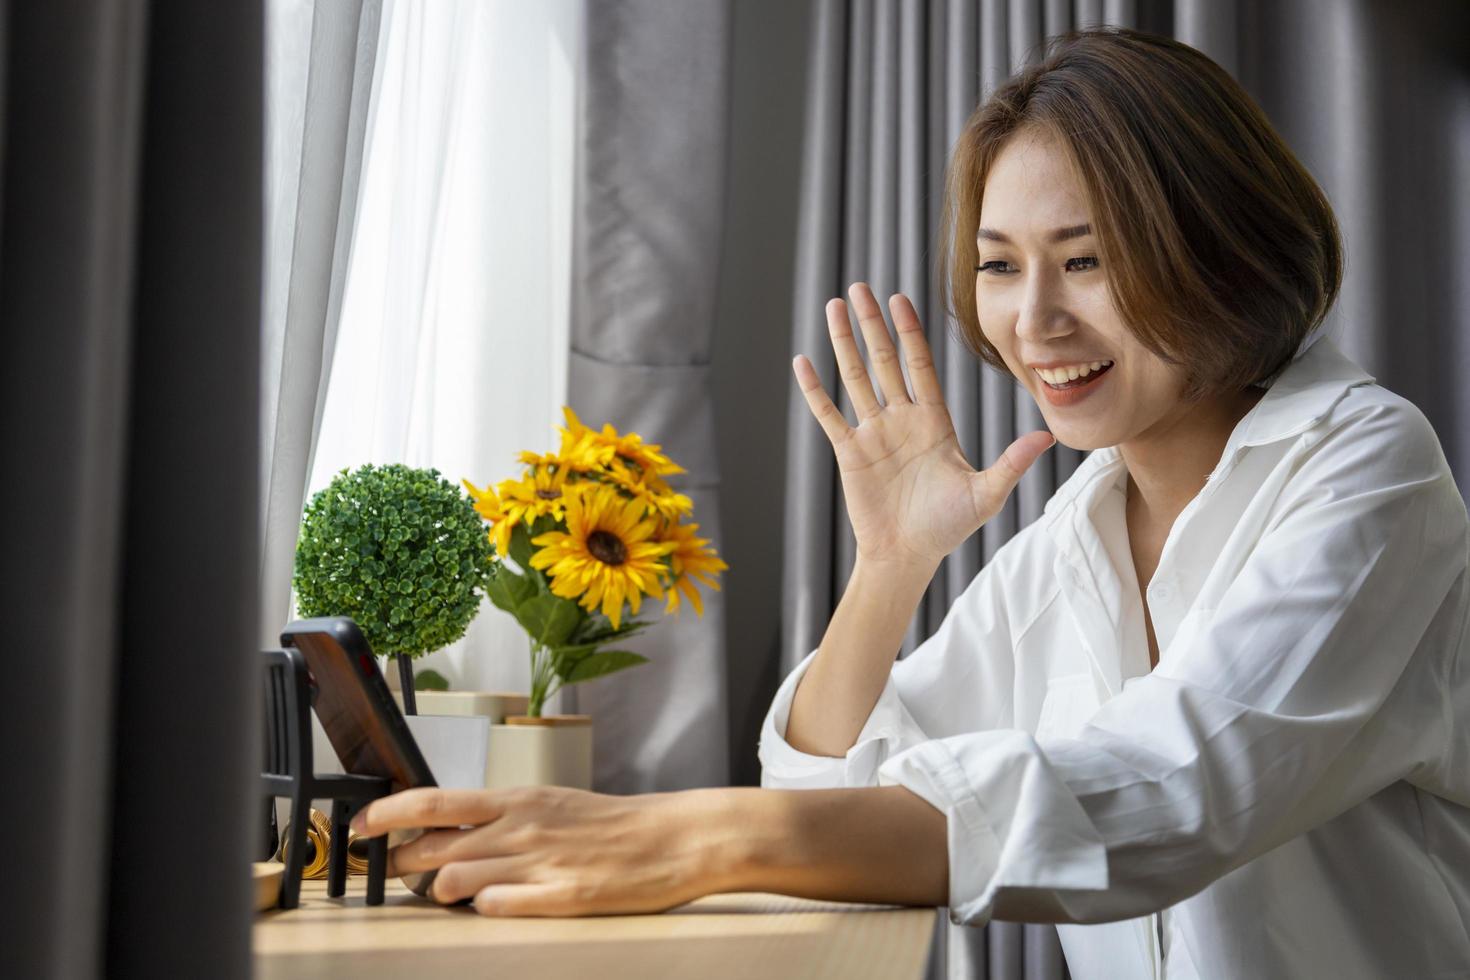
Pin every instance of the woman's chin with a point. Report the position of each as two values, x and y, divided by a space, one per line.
1082 439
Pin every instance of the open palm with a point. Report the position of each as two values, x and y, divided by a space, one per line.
911 495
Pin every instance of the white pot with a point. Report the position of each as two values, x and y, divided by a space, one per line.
456 749
552 751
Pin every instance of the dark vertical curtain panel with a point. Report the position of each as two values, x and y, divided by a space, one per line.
130 300
1374 99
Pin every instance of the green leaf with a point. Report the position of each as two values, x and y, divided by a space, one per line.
520 546
564 659
508 590
430 680
574 651
597 629
548 618
603 663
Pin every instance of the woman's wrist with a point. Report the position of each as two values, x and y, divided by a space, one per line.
870 844
738 838
708 829
913 571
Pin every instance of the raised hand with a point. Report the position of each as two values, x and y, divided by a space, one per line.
912 497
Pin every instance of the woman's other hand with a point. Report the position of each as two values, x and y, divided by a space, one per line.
911 495
552 850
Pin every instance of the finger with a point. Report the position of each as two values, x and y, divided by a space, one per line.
922 376
542 898
881 353
827 414
428 807
440 847
995 483
461 879
850 362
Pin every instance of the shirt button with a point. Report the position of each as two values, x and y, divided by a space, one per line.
1161 592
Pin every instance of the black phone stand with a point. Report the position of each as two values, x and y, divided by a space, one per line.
288 772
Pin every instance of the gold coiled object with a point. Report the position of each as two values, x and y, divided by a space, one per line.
318 838
357 853
318 847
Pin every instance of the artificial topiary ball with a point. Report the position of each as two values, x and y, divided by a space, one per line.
399 550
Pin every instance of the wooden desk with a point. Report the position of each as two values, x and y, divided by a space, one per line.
720 936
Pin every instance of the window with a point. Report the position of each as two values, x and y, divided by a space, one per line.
451 345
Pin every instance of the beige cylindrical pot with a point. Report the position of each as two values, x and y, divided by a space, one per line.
552 751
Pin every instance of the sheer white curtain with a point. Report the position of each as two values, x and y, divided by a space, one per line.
319 66
287 62
451 351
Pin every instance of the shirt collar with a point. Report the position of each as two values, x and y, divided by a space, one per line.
1300 395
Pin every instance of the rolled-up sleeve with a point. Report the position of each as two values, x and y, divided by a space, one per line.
889 729
1299 697
959 679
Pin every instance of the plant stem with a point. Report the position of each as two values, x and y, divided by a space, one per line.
405 678
543 678
539 657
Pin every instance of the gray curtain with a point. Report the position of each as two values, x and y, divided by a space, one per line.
648 210
1371 97
318 105
130 301
1375 99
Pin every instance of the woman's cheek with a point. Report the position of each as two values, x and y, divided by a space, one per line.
991 318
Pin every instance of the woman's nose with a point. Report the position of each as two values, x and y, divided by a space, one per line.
1043 314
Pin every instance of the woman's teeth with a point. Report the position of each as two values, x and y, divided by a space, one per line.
1072 372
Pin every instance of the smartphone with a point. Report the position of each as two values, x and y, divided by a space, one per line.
359 714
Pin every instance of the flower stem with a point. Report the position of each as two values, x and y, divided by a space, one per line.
543 678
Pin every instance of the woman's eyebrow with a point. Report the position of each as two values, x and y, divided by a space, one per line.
1059 235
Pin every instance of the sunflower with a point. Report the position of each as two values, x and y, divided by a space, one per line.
589 446
605 555
542 492
571 459
578 450
689 558
488 506
656 495
536 459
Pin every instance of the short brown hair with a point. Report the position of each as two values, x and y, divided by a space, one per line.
1221 252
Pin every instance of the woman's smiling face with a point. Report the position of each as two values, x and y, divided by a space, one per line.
1041 296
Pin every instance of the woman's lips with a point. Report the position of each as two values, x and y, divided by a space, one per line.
1073 391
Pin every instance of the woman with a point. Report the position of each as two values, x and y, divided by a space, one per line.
1210 709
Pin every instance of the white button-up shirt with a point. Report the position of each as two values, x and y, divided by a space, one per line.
1290 785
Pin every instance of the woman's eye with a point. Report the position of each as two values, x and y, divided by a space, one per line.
990 266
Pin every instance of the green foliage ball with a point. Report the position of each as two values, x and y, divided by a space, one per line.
399 550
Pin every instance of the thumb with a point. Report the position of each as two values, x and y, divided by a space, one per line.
994 484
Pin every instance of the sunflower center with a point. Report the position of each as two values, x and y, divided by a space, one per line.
607 548
549 494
